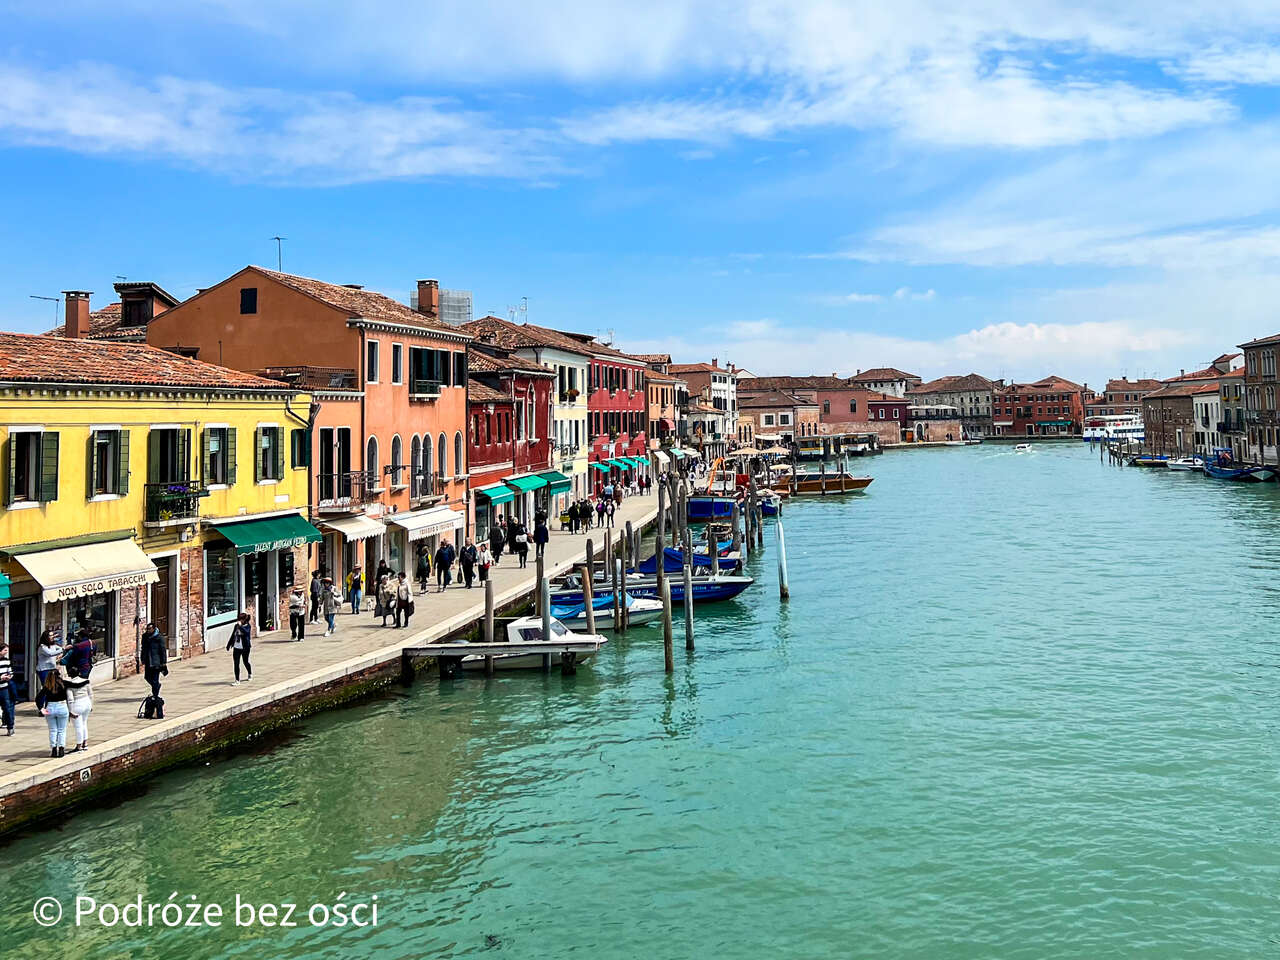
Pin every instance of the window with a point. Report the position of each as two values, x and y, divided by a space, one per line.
33 467
428 479
397 462
220 592
268 458
334 451
248 300
459 369
784 419
371 362
519 419
299 448
415 468
441 456
108 466
397 363
371 463
853 404
457 454
826 406
168 455
219 455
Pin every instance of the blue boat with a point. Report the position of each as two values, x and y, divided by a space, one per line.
673 560
707 506
1243 473
705 589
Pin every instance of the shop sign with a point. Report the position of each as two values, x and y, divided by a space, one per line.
73 591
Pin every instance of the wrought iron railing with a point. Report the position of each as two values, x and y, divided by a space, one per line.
175 500
341 491
420 387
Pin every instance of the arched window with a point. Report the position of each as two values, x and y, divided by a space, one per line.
457 454
442 454
371 462
428 474
397 461
415 468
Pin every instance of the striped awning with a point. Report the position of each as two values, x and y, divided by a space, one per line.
496 493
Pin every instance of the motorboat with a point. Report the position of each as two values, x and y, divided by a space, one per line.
1022 448
673 560
639 610
706 588
837 481
770 503
527 630
1148 460
710 506
1222 467
1187 463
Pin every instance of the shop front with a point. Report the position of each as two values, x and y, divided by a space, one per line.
556 494
73 588
487 503
525 504
345 539
600 471
410 532
250 568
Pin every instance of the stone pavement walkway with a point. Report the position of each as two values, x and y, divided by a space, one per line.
199 689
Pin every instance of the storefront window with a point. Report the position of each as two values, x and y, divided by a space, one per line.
94 614
220 581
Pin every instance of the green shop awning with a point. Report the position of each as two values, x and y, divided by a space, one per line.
496 493
525 484
269 533
1053 423
4 587
558 482
602 467
639 461
620 463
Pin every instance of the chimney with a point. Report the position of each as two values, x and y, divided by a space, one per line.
715 362
77 313
429 299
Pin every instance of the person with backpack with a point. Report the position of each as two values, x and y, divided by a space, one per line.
79 706
423 571
600 512
467 560
240 644
297 613
155 660
80 654
51 701
403 599
496 541
355 587
522 545
316 590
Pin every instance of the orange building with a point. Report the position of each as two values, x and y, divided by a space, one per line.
387 453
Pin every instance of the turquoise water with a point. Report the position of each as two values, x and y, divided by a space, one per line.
1019 705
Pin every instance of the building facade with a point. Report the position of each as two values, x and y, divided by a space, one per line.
1261 441
712 406
1050 407
1169 417
888 380
617 410
1234 430
970 397
779 417
1121 397
390 473
143 486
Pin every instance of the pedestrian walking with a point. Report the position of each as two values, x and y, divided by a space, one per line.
467 560
573 517
51 701
404 600
513 527
484 560
330 602
522 546
8 694
316 589
155 657
609 508
297 614
445 555
496 541
48 653
540 537
383 571
79 706
422 573
240 644
80 654
600 512
355 587
387 600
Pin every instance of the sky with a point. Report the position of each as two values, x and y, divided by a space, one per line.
1011 187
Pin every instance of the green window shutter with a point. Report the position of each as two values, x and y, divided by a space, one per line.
48 467
231 455
206 468
122 464
257 454
184 454
279 433
153 456
91 466
13 470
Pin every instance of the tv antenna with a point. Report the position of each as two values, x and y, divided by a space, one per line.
279 253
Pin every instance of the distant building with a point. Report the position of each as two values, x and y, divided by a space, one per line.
1169 416
1262 444
1052 406
1121 397
832 394
712 409
888 380
1231 401
969 395
781 417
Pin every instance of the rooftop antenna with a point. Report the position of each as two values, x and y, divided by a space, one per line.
121 277
56 301
279 253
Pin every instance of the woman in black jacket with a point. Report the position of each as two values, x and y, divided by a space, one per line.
239 645
155 658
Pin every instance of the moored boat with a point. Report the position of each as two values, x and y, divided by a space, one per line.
706 589
673 562
1148 460
1241 472
1022 448
639 610
770 503
829 483
526 630
707 506
1187 463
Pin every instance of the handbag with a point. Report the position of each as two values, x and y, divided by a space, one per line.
377 609
410 607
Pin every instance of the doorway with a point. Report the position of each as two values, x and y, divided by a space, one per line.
22 645
162 602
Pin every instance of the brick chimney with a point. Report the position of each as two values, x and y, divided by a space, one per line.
77 313
429 298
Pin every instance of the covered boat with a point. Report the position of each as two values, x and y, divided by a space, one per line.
706 589
673 560
639 610
526 630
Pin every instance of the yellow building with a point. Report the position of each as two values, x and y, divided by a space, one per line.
142 486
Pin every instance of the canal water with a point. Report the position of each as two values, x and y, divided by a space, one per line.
1019 705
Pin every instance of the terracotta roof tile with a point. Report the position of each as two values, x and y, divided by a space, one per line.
793 383
478 392
774 398
883 373
366 304
483 362
31 358
1186 388
517 336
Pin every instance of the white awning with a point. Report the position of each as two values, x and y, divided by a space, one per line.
661 457
769 437
427 523
71 572
358 527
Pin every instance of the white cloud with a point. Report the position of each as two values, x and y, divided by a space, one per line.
906 293
841 299
1236 64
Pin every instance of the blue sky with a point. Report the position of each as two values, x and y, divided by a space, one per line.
1015 188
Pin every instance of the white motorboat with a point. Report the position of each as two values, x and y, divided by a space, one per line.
1022 448
1187 463
639 610
529 630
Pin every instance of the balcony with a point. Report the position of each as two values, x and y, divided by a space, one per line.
346 491
173 503
422 389
428 487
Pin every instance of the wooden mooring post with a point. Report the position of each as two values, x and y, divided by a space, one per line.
588 598
784 588
688 607
544 603
668 654
541 568
488 625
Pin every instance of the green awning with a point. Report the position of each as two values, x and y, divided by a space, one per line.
621 463
602 467
496 493
636 461
558 482
269 533
1053 423
525 484
4 587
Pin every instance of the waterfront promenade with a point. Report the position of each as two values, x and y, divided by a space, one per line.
198 692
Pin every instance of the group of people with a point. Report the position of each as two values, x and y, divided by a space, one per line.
510 534
65 695
599 511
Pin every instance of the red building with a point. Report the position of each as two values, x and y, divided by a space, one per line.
509 431
1049 407
617 407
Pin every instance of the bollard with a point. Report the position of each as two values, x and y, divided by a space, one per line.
660 537
736 518
713 545
619 590
588 598
668 653
488 624
688 607
784 588
541 568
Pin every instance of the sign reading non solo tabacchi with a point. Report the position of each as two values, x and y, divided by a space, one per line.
87 588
